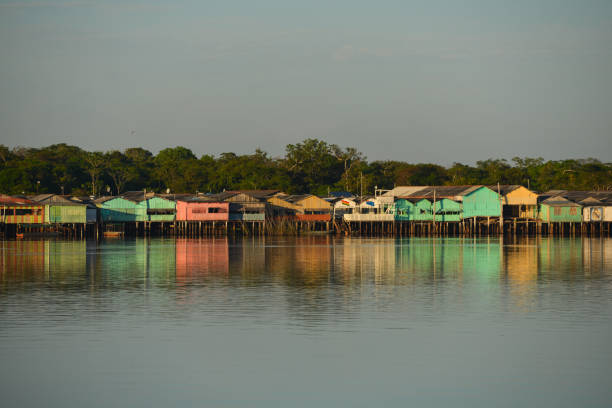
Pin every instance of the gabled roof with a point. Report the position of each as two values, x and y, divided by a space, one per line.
451 192
590 201
176 197
296 197
101 200
197 199
56 199
259 194
403 191
11 200
40 197
576 195
222 196
559 201
137 196
504 188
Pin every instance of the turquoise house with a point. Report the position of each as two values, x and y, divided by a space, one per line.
157 209
424 211
119 209
447 210
480 201
560 209
404 210
66 210
454 203
413 210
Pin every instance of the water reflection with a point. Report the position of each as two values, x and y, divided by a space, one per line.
220 321
304 261
316 277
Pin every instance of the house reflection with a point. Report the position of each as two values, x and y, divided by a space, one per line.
435 259
560 258
44 260
201 257
303 261
363 260
596 256
22 261
134 262
521 261
312 264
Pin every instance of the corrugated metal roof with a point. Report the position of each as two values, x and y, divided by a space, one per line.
11 200
224 195
197 199
136 196
295 197
255 193
579 195
452 192
103 199
504 188
56 199
590 201
402 191
559 201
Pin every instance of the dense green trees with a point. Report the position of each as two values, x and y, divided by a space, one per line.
309 166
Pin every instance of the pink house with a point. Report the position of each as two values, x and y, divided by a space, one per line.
197 209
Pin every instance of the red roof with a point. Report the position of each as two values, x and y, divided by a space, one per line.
10 200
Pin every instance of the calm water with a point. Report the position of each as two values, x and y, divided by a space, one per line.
311 321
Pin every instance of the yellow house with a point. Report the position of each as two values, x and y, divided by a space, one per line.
278 206
309 204
517 201
310 207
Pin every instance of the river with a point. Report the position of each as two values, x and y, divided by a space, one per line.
306 321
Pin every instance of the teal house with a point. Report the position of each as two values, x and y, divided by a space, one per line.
447 210
404 210
157 209
66 210
413 210
119 209
480 201
560 209
453 203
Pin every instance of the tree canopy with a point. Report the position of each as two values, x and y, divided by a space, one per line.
311 166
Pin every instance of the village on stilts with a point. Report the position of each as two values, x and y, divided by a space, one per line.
402 211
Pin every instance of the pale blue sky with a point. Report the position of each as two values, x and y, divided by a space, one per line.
421 81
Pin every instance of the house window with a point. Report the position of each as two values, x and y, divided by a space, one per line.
557 211
213 210
198 211
23 211
160 211
573 211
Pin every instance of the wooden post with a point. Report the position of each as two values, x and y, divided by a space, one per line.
433 209
501 211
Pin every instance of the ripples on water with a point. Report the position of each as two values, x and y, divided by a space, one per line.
306 321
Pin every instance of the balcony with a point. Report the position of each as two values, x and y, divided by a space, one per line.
313 217
368 217
247 217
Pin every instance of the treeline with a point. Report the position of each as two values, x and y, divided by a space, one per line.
312 166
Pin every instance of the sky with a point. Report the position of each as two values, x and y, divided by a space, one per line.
421 81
